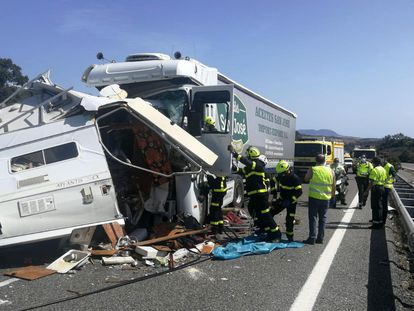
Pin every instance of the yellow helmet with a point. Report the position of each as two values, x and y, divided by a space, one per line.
209 120
253 152
282 167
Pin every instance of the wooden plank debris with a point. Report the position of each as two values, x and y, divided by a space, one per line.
171 237
114 231
104 252
30 272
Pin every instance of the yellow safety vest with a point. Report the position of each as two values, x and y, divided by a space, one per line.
363 169
320 185
390 179
378 176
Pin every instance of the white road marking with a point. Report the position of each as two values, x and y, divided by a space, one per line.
7 282
310 290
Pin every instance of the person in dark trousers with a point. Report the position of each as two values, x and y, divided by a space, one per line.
390 178
290 188
321 189
363 169
257 191
377 178
218 187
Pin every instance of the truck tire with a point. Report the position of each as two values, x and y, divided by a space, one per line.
238 197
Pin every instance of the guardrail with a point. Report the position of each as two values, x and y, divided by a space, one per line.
403 196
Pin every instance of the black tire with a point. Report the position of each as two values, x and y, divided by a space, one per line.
238 194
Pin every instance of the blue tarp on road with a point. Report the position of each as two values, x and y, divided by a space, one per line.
252 245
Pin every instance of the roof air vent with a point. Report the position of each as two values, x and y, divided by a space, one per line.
146 56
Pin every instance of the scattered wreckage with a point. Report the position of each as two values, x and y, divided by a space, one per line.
128 171
74 164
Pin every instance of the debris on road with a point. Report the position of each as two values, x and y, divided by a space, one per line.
30 273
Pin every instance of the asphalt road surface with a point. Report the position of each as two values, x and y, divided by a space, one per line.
355 269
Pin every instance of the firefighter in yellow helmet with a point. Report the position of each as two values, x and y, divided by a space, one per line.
288 184
257 191
209 124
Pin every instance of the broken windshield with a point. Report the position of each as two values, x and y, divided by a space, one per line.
171 104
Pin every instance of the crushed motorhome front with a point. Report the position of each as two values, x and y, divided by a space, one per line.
70 160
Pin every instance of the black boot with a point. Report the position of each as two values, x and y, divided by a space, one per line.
310 241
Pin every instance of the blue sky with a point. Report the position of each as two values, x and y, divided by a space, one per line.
342 65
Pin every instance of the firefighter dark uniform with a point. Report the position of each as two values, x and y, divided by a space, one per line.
290 188
377 179
257 191
218 188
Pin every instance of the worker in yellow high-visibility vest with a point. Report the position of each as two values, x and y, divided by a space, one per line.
377 178
389 181
321 189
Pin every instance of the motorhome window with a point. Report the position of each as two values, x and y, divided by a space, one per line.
60 153
27 161
42 157
170 103
307 150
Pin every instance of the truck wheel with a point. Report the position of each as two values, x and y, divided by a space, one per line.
238 197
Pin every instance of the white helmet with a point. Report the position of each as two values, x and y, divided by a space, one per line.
263 158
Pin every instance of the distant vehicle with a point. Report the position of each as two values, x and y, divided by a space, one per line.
347 163
358 152
307 149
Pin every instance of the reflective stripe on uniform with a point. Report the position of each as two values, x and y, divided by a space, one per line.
216 223
264 211
257 191
262 174
292 214
215 204
275 229
289 232
253 165
220 190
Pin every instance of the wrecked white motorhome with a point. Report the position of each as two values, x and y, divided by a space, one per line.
71 160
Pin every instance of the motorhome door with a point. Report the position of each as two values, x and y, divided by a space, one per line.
211 121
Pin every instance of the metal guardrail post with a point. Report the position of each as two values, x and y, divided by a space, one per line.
408 222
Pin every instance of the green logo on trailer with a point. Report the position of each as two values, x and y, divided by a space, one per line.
240 133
